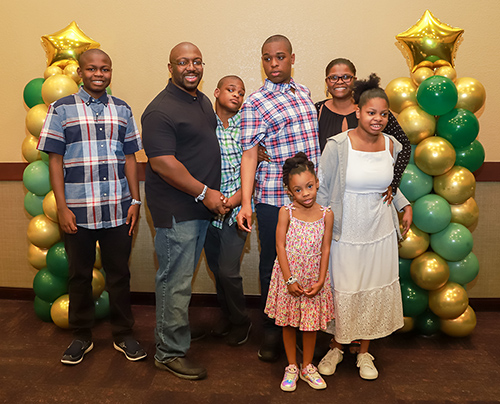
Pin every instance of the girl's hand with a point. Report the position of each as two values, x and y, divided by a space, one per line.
295 289
388 195
315 289
407 219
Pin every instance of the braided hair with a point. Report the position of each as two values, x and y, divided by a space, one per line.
296 165
365 90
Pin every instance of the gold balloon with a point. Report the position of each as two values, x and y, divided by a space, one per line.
429 37
60 311
56 87
446 71
63 63
466 213
37 257
67 43
50 207
35 118
424 63
29 150
429 271
435 155
471 94
51 71
71 70
456 186
415 243
441 63
98 283
460 326
402 93
409 324
450 301
43 232
98 262
417 124
421 74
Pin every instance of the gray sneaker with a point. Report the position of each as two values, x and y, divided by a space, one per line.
330 361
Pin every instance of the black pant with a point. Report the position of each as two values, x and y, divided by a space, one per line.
115 244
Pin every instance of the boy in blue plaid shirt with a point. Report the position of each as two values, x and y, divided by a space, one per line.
225 242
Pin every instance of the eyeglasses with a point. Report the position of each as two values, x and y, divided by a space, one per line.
197 63
346 78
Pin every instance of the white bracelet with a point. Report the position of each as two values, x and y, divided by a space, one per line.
201 196
291 280
136 202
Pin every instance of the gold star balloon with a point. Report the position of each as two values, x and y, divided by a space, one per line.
66 45
429 37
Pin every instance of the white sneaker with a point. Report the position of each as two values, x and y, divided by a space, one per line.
367 369
329 363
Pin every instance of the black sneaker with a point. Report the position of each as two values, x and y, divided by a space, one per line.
76 351
239 334
183 368
270 347
222 328
131 348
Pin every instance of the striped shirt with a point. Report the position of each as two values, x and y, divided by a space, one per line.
93 135
285 122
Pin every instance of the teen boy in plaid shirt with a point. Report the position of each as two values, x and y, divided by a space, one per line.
280 116
91 139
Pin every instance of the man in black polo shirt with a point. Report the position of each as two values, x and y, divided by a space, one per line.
182 191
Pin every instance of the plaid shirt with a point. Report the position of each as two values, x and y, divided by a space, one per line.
93 136
285 122
230 150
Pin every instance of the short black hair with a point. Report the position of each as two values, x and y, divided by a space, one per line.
296 165
90 51
341 61
277 38
365 90
230 76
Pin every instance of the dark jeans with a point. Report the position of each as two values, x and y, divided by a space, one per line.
223 249
267 219
115 244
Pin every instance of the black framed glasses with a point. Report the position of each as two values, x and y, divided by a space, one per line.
346 78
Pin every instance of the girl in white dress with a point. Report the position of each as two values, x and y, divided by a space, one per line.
355 169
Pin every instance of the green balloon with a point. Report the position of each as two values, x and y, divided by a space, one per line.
33 93
459 127
464 271
471 156
404 268
36 178
33 204
415 299
432 58
431 213
415 183
42 309
57 260
412 154
45 157
49 287
453 243
437 95
102 306
427 323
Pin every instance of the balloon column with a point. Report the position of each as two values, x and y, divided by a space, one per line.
437 112
46 251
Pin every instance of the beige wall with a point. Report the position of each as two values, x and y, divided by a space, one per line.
139 35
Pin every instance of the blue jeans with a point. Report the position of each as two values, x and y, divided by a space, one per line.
178 250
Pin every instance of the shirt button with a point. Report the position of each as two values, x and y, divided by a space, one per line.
105 194
100 128
102 145
104 178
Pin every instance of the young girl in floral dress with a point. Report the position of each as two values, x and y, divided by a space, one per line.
300 293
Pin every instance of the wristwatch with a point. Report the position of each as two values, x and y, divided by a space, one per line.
136 202
201 196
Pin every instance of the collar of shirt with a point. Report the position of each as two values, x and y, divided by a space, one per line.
183 95
282 87
234 121
88 99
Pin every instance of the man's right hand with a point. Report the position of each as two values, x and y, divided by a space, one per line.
244 219
67 220
214 201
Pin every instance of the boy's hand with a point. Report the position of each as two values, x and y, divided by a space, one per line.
244 219
67 220
315 289
295 289
132 217
214 201
262 154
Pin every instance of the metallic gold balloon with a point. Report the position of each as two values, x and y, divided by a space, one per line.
29 150
429 37
435 156
424 63
429 271
56 87
43 232
441 63
98 262
415 243
50 207
401 93
35 118
471 94
448 302
51 71
460 326
37 257
456 186
71 70
466 213
60 311
417 124
409 324
68 43
421 74
98 283
446 71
